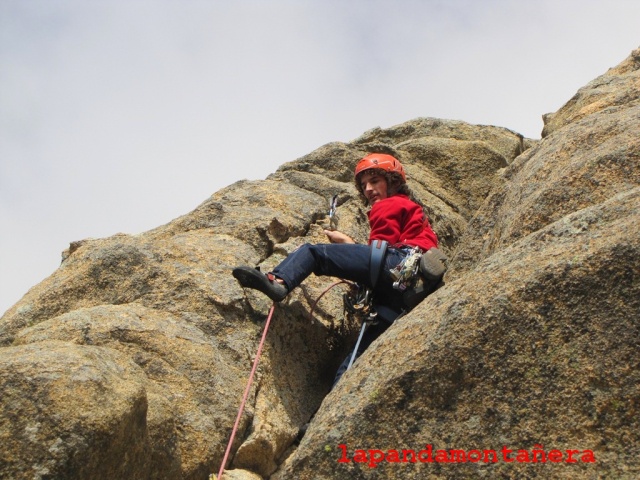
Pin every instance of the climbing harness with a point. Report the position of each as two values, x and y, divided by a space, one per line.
432 266
246 393
333 219
376 260
404 274
359 302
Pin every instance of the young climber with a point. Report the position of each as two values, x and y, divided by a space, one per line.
394 217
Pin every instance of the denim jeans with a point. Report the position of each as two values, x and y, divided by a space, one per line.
349 262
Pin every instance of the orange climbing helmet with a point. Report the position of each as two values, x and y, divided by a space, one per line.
381 161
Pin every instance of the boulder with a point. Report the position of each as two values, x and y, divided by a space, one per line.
72 411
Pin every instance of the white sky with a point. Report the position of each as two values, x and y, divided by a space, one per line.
121 115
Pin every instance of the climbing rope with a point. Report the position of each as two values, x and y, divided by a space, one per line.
253 371
322 295
246 392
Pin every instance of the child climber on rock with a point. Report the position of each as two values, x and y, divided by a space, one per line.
393 218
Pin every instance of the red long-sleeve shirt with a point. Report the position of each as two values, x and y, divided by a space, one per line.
400 221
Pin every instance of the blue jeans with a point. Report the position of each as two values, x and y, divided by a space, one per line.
349 262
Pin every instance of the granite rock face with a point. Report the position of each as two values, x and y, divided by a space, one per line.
131 359
533 343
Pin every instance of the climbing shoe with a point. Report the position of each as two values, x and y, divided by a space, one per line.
253 278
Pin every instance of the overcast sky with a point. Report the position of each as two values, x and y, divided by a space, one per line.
121 115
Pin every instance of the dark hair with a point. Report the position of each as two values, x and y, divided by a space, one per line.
395 185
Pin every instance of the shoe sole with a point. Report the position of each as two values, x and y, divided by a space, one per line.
252 278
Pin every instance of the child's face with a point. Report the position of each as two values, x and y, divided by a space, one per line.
374 186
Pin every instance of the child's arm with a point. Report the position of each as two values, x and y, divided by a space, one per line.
338 237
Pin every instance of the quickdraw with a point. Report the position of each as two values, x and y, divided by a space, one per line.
359 303
405 273
333 219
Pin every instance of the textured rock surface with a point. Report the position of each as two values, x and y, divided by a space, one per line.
538 345
535 338
130 360
72 412
620 86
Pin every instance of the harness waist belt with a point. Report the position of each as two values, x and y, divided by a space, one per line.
378 251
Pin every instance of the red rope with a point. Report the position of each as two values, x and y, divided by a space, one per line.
246 391
322 295
253 370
